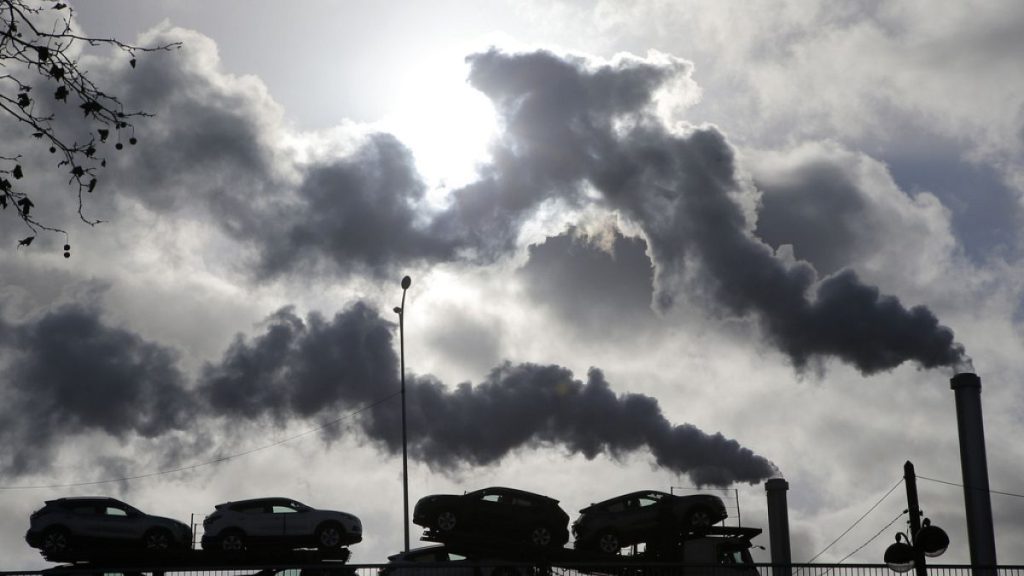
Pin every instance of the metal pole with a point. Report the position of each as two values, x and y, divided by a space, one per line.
914 510
406 282
739 519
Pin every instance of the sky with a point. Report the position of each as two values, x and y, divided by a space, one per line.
653 245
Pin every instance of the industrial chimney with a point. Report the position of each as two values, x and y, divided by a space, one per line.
778 526
980 534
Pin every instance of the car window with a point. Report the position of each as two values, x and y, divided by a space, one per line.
282 509
645 501
114 511
84 510
616 507
455 557
492 497
252 509
521 502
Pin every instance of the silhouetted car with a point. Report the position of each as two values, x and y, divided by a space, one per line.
438 560
74 526
643 516
427 560
497 512
235 526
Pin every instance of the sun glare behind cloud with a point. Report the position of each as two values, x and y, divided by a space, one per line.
446 123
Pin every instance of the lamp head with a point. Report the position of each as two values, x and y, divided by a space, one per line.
931 540
406 282
398 310
900 555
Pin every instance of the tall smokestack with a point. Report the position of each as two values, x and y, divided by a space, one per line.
980 534
778 526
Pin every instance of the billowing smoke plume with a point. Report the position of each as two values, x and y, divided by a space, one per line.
318 368
573 131
569 123
67 374
528 405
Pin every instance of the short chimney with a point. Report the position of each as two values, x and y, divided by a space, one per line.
778 526
973 463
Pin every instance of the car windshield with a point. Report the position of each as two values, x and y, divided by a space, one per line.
647 501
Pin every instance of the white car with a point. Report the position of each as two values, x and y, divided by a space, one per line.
83 525
236 526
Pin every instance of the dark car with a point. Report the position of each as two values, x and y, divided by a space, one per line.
280 522
438 560
503 513
643 517
75 526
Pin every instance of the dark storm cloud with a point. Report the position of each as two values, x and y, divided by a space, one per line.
213 147
67 374
210 143
818 210
574 132
559 120
568 123
359 210
319 368
593 286
300 368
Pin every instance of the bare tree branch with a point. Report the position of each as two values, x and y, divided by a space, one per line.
37 43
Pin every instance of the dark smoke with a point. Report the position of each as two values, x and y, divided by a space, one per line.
532 405
570 123
68 374
318 369
575 133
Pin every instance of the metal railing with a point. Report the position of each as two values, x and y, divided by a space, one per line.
466 568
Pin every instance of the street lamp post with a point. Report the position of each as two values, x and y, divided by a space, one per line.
924 540
406 282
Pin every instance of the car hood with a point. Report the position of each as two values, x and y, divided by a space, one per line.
171 521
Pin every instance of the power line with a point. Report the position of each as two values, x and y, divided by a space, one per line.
971 487
863 516
872 539
208 462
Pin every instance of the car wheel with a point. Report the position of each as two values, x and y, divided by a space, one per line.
698 519
232 541
329 536
157 539
447 521
56 540
541 537
609 542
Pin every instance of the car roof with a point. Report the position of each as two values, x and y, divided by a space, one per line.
515 491
268 500
414 552
634 495
74 499
627 497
